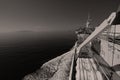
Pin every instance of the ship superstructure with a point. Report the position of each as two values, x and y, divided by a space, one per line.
97 52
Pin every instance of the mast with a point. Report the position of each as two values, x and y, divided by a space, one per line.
88 21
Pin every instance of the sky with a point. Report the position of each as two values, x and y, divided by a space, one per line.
52 15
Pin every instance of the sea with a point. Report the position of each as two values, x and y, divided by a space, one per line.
24 52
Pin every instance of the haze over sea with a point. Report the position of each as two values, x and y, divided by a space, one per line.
23 52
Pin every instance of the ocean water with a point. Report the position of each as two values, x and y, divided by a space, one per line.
22 53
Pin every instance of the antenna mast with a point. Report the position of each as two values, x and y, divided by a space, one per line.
88 21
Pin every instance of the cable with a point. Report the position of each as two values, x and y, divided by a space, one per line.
93 70
101 69
113 45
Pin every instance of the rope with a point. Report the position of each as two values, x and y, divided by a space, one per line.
79 68
82 62
93 70
102 69
82 69
113 46
108 34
